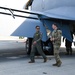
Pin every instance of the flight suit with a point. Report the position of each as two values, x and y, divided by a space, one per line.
37 37
56 34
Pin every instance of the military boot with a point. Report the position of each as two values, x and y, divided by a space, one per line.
45 60
66 53
71 51
31 62
55 64
59 63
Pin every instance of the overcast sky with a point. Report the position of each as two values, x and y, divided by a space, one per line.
7 23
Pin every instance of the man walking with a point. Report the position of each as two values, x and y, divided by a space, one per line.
36 45
56 39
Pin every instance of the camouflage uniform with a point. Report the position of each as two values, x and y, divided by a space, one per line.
37 37
56 34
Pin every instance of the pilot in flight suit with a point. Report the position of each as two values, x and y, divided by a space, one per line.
36 45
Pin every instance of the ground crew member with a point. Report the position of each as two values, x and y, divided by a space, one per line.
68 45
56 39
36 45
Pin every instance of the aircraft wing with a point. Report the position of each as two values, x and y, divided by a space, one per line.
62 16
62 13
57 15
27 29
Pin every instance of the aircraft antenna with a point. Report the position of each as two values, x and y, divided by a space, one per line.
11 13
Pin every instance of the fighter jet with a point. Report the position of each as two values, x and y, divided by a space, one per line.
44 13
51 11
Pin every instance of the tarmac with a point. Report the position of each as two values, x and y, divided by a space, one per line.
18 65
